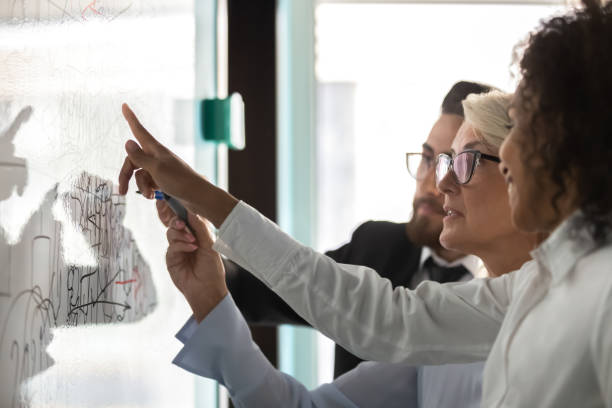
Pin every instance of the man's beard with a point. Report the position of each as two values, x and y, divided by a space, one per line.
422 230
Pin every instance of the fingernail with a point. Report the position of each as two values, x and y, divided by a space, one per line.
179 224
190 237
193 247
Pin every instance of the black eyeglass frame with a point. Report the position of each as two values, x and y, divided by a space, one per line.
477 156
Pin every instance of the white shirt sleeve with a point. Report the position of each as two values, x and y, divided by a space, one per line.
374 384
187 330
450 385
434 324
221 348
601 350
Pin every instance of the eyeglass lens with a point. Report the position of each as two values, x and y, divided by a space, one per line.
462 164
418 164
442 167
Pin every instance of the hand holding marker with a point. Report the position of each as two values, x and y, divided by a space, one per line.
174 204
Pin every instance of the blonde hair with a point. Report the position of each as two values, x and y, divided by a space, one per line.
488 115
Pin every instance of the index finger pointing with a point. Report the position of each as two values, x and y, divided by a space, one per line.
146 140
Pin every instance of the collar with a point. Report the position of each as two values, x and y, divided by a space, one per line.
470 262
565 246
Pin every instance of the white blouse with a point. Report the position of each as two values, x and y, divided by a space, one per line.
546 328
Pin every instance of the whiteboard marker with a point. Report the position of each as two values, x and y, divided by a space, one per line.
174 204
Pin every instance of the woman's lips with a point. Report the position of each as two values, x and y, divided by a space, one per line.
451 212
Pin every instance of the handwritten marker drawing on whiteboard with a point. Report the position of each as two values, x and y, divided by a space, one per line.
50 292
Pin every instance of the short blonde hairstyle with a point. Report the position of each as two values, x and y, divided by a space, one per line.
488 115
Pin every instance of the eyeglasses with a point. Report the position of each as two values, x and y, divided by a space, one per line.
419 164
463 165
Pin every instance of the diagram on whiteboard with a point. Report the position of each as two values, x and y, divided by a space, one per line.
46 291
42 285
79 312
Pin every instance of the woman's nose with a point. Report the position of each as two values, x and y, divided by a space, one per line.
447 184
503 169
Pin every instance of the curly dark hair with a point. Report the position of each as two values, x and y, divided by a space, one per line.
566 86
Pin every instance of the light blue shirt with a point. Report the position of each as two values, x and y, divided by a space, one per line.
221 348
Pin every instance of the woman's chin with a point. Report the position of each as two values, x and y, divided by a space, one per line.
448 240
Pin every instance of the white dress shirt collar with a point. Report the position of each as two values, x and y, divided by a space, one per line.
470 262
560 252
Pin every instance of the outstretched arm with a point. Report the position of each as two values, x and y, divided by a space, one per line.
434 324
221 348
353 305
218 342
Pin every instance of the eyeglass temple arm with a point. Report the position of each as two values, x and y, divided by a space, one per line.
489 157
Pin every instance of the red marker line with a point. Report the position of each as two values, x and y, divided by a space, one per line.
90 6
124 282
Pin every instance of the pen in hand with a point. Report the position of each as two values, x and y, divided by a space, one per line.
174 204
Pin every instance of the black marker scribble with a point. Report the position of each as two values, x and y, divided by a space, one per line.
118 288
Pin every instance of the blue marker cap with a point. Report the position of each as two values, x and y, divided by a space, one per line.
174 205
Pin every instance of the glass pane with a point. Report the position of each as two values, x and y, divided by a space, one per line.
382 71
87 310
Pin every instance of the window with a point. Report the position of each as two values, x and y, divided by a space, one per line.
382 71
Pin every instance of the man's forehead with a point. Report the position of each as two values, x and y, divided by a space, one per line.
442 134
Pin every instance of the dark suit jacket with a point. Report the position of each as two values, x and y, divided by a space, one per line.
380 245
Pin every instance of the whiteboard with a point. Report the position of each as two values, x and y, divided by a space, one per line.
87 310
